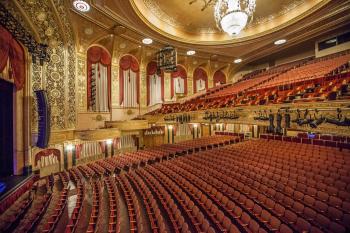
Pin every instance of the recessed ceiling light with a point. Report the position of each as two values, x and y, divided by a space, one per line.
191 52
238 60
81 5
279 42
147 41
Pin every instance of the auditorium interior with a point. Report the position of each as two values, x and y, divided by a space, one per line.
178 116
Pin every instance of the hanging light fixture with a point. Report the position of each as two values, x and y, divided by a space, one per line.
232 16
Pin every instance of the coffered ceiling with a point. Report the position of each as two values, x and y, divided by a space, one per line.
186 26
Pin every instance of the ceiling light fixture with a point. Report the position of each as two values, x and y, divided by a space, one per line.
81 5
279 42
238 60
232 16
191 52
147 41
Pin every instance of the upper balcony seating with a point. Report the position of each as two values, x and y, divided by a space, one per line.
320 79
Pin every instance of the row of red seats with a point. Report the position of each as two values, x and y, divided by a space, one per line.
34 215
177 222
127 160
133 206
77 211
57 212
153 211
198 223
96 207
320 142
336 208
114 209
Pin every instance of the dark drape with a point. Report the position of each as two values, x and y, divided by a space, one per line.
97 54
6 128
151 70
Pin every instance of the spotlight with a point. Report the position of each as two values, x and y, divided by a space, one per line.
147 41
238 60
191 52
279 42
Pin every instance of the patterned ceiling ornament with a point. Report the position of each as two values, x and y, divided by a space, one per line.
38 50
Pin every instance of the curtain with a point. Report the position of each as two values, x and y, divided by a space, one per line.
129 81
179 85
181 81
130 88
155 87
183 129
127 141
99 88
90 149
200 85
11 50
200 80
99 79
219 78
155 84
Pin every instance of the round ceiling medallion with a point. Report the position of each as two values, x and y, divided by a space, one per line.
122 46
88 31
81 5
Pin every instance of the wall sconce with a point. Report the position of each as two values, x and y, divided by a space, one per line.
170 127
109 142
69 147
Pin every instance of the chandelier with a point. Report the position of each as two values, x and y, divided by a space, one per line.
231 16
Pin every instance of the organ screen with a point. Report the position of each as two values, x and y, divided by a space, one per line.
43 119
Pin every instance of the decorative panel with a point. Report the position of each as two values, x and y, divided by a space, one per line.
58 75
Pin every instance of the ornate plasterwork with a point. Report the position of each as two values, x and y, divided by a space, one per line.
58 75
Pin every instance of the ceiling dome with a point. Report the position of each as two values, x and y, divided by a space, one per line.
188 21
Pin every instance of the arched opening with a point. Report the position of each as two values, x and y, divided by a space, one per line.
179 81
219 78
129 82
200 80
99 79
155 84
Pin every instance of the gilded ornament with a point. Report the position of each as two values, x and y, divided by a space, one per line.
55 76
55 93
49 31
122 46
41 16
55 58
53 43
